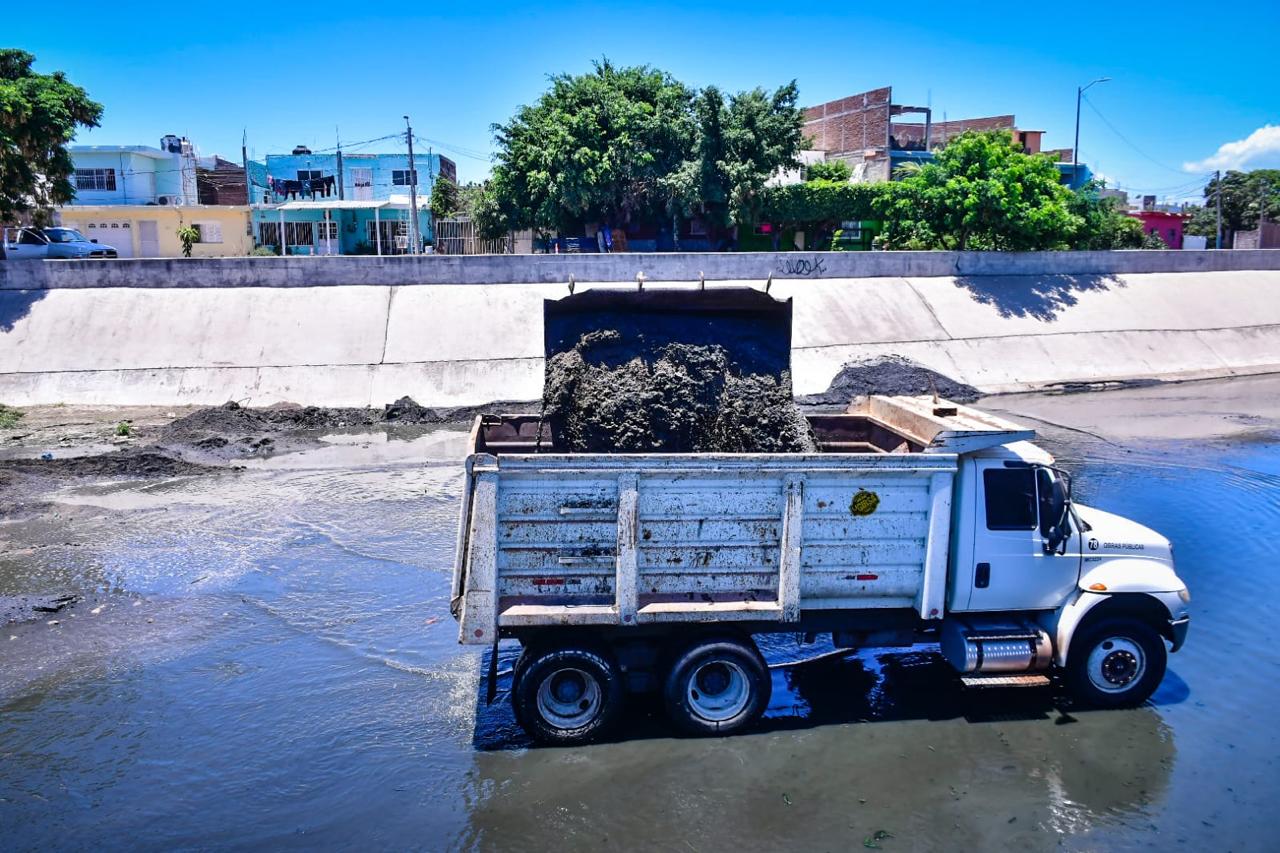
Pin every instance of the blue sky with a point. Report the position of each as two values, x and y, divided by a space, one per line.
1187 78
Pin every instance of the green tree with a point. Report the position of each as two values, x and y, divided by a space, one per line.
740 142
39 114
1244 194
446 200
829 170
981 192
625 143
1102 224
594 147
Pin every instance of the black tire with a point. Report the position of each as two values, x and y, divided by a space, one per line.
717 686
566 695
1125 654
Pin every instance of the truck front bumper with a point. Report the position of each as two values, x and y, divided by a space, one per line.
1178 632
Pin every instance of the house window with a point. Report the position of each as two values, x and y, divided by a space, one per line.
295 233
404 177
309 174
269 234
95 179
391 229
331 227
210 232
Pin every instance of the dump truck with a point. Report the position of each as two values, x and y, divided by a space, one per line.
917 521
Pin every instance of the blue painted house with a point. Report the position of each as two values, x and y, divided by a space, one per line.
342 204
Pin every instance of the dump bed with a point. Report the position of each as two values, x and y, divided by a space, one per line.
551 538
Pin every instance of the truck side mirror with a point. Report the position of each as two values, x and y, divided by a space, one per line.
1053 511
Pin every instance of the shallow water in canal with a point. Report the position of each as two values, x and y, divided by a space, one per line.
272 663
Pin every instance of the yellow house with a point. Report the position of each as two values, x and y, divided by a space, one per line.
151 230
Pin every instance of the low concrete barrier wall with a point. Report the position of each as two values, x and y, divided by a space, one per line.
462 344
547 269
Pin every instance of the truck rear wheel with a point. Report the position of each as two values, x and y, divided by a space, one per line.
1116 663
717 687
566 695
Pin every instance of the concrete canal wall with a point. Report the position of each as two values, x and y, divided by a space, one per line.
360 331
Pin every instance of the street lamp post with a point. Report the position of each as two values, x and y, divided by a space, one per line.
1075 151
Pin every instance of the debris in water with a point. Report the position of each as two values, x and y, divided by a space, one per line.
786 798
871 841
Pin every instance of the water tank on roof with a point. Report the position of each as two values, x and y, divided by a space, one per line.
172 144
301 149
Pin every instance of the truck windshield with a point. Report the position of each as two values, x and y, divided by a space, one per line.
64 235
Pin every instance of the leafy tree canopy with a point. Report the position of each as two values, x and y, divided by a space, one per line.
621 143
1243 195
39 114
981 192
446 200
829 170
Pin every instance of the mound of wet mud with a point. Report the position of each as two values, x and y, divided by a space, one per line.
602 397
889 375
131 463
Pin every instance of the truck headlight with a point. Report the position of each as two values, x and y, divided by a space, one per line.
1185 595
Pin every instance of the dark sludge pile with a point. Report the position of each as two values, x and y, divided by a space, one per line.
601 396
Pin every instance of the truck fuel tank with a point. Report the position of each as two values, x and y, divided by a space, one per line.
995 648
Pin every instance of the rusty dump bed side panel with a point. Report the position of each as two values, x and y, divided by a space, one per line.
620 540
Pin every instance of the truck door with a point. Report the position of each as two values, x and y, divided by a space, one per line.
25 244
1010 569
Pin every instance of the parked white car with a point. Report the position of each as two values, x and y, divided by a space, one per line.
51 243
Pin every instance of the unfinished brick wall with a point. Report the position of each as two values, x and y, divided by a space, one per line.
854 129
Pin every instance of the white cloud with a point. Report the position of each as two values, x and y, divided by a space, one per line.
1259 149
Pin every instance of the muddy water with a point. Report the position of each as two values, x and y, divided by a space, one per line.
271 662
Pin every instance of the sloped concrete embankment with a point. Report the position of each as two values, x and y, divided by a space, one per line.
466 344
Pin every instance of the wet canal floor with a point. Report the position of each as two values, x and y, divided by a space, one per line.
265 658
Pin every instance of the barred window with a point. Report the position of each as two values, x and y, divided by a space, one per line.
404 177
95 179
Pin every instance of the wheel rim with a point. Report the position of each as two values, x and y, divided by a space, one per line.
718 690
1116 664
569 698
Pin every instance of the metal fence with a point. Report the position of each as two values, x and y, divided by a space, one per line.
458 237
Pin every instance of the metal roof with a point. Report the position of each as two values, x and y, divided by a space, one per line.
338 204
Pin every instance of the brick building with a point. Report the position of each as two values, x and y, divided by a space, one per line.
874 135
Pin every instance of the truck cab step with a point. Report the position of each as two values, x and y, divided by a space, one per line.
1029 679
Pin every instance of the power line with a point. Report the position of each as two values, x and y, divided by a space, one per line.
1126 141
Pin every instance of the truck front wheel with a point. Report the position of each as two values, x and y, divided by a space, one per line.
1116 663
567 695
717 687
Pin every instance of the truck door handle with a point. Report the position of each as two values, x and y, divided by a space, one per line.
982 577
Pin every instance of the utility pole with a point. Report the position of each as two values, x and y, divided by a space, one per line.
1075 150
1217 183
413 188
244 164
338 139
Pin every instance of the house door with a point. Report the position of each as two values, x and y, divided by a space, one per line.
362 184
327 238
148 238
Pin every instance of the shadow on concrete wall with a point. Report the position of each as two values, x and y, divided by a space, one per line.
1043 297
16 304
